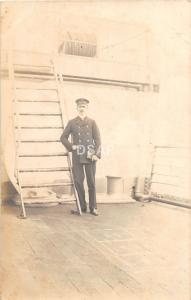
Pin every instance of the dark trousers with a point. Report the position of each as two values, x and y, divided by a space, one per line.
79 175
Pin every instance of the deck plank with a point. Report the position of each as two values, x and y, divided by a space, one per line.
121 254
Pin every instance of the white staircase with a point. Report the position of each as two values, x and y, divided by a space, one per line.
42 164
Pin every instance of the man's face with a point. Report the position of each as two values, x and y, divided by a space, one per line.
82 107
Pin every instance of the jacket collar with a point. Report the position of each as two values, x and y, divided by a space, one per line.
81 121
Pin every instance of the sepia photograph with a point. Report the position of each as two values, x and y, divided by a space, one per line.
95 150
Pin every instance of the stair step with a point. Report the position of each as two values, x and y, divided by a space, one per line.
40 76
36 114
37 127
44 155
45 170
41 101
48 141
39 185
38 89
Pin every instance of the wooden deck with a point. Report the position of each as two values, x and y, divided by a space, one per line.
131 251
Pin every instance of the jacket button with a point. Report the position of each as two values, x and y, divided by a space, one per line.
79 133
88 140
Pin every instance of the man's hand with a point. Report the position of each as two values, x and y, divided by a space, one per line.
75 147
95 158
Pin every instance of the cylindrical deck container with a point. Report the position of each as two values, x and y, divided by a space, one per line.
114 185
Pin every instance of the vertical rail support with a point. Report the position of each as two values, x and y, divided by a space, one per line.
16 123
152 170
62 104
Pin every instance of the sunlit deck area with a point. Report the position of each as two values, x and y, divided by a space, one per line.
130 251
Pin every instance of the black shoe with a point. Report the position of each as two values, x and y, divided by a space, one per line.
75 212
94 212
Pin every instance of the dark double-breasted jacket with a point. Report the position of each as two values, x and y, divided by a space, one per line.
85 134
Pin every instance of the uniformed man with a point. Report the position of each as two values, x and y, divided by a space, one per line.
85 146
